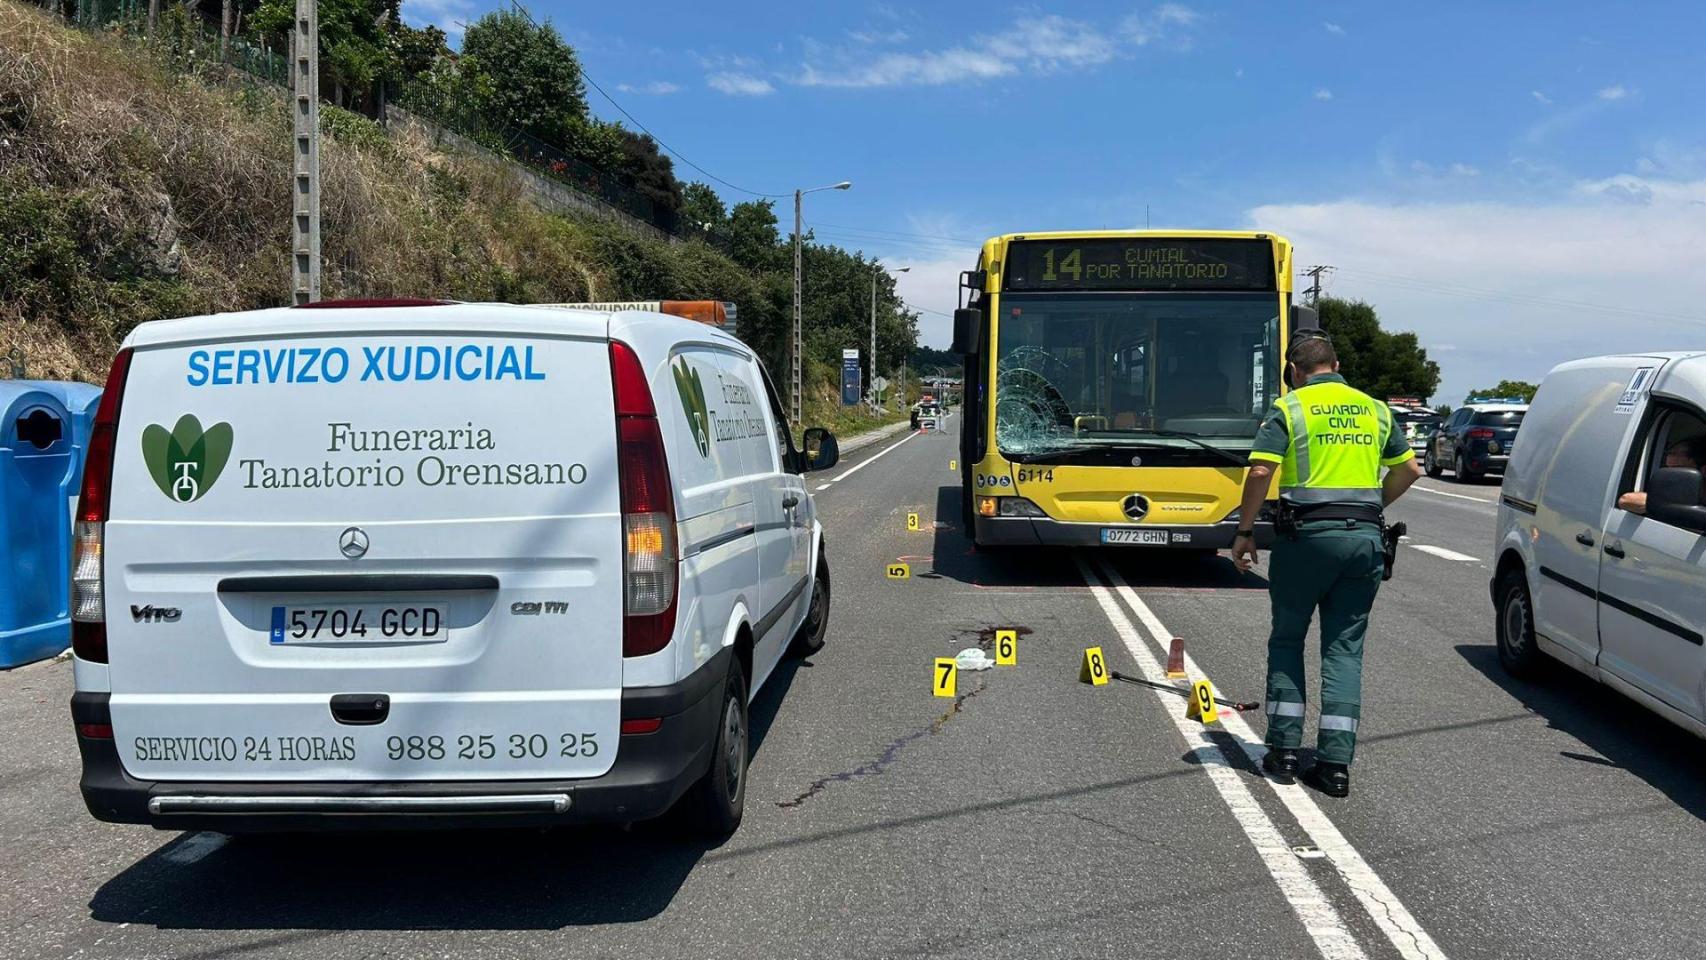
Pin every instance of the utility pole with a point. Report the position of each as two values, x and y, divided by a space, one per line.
1315 287
876 268
799 228
305 186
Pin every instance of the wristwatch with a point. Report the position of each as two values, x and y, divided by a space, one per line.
1247 533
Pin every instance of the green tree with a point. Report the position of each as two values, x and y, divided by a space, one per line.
536 84
753 241
1508 388
356 43
1373 360
652 173
702 211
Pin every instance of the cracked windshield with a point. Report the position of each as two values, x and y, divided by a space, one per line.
1091 371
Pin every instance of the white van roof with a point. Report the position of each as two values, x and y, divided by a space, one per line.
334 318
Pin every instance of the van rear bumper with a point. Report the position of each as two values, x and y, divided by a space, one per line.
1028 531
651 772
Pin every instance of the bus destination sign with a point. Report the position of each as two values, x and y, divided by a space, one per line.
1140 263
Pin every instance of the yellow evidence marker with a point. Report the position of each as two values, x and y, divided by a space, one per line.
1202 703
953 464
1006 648
942 676
1095 669
912 521
898 570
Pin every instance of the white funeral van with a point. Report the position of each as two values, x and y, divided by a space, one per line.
403 563
1602 531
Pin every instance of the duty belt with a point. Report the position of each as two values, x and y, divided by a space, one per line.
1291 514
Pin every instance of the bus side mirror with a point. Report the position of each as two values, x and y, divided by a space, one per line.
1673 497
968 323
1305 318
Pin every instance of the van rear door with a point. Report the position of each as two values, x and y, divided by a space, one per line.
367 545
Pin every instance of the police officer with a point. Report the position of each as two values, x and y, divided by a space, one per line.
1330 441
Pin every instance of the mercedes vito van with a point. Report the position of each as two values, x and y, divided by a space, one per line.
415 563
1602 530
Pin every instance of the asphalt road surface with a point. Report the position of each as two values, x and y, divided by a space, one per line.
1031 816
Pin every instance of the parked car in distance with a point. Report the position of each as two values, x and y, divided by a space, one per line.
376 564
1416 420
1601 531
1475 440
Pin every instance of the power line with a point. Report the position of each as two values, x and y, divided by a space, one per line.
647 131
900 233
1421 285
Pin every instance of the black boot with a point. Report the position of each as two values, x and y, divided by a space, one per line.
1332 779
1281 764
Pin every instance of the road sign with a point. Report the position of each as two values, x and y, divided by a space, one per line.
879 384
850 374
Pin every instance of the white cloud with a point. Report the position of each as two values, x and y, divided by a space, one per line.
879 36
1613 92
934 285
447 15
1333 28
1612 265
1034 43
739 84
656 88
1323 94
1540 98
1464 170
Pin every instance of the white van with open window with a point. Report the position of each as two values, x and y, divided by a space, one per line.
412 563
1601 549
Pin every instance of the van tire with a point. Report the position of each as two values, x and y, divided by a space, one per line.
712 808
1514 627
1430 465
809 639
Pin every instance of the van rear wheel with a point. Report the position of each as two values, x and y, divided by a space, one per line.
712 808
1515 627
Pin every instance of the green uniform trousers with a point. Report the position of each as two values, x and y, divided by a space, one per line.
1334 565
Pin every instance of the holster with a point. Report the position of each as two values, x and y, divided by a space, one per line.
1391 535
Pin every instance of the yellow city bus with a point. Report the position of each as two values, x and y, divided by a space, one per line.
1114 381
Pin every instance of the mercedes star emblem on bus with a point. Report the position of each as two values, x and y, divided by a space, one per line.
1136 506
352 543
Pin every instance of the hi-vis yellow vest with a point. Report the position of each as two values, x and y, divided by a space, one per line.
1337 435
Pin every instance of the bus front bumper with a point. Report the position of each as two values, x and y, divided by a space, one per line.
1043 531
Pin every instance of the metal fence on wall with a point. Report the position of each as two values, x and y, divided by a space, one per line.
190 46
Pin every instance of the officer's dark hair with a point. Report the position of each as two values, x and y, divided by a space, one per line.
1311 354
1694 448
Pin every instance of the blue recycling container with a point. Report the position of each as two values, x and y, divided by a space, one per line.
80 400
40 457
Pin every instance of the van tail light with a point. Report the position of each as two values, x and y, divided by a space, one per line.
88 593
1481 433
649 555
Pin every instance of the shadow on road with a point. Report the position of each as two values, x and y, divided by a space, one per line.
956 559
1665 756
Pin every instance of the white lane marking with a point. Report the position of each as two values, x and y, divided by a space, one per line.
874 459
1383 906
1445 554
194 848
822 487
1454 496
1319 918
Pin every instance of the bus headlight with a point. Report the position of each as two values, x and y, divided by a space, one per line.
1019 507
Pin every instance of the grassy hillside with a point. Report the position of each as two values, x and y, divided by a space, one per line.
129 192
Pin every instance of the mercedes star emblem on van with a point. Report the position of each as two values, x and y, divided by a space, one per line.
352 543
185 461
1135 507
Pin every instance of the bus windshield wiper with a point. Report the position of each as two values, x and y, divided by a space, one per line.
1106 445
1194 438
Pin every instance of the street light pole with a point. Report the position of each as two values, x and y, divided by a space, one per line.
794 399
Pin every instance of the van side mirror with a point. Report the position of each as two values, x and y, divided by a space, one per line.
968 324
1304 318
1673 497
822 452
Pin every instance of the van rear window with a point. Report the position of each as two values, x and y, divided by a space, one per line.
1497 418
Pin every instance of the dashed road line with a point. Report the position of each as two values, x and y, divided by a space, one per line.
1445 554
1383 906
860 466
1319 917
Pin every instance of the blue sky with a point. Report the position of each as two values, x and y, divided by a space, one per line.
1519 183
